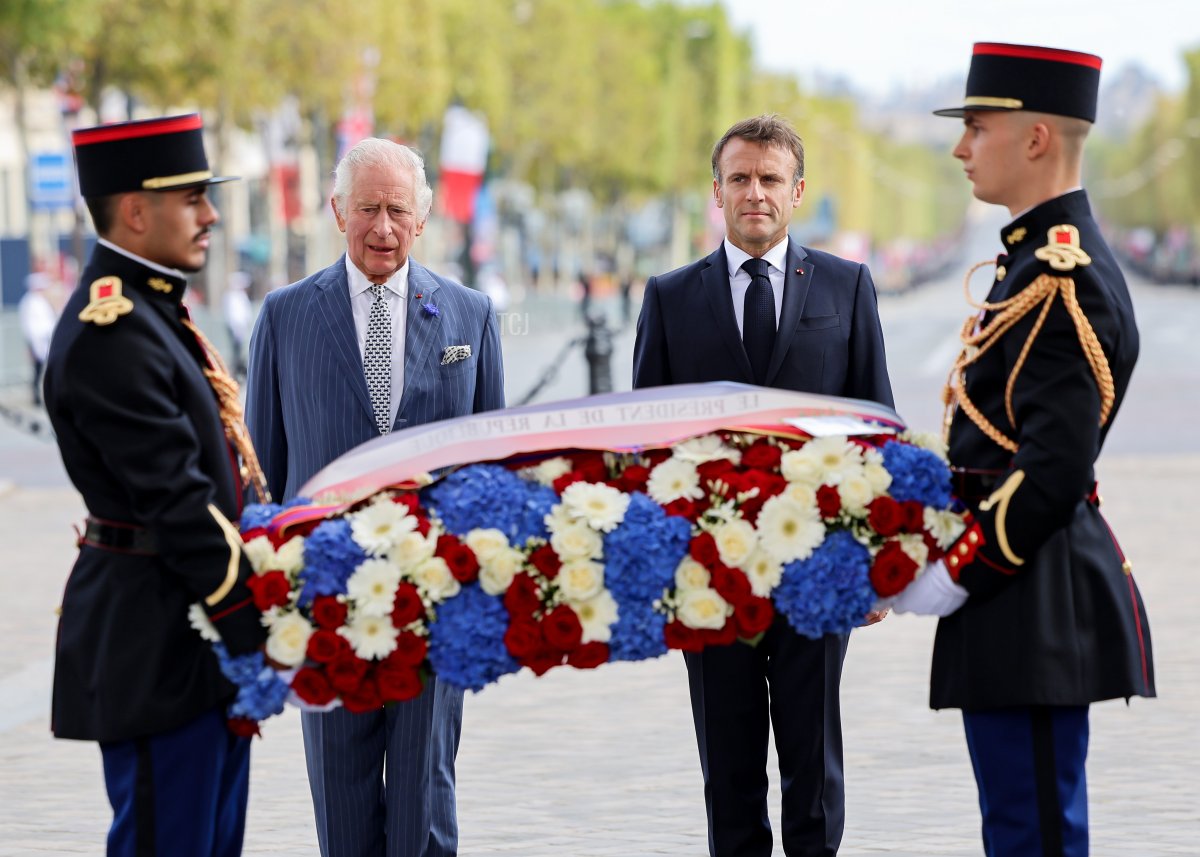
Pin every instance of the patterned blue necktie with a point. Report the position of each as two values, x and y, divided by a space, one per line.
758 318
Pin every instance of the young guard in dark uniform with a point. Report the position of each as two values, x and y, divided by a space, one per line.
150 431
1052 619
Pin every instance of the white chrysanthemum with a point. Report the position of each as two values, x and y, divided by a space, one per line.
877 475
927 440
580 579
706 447
914 545
856 492
672 480
702 608
199 620
945 527
736 540
601 506
372 587
497 572
434 580
545 472
484 543
413 549
371 637
691 575
764 573
802 493
788 531
287 640
597 615
577 541
264 557
557 518
377 527
822 461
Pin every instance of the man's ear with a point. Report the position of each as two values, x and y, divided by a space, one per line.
717 194
337 215
133 212
1037 141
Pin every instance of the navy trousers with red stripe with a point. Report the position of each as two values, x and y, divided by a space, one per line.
180 793
1029 766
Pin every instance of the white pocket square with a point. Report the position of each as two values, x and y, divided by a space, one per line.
454 353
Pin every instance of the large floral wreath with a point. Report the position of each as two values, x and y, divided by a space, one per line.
585 556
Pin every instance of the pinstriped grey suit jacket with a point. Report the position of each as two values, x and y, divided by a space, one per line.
306 394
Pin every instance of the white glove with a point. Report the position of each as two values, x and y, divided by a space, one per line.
933 593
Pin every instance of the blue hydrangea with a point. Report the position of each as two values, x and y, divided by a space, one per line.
640 558
466 640
486 496
256 515
330 556
830 592
261 693
917 474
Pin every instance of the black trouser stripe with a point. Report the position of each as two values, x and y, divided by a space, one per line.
1046 778
143 800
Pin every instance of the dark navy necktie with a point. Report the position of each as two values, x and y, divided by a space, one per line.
758 318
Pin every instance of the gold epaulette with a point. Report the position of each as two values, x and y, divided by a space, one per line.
107 303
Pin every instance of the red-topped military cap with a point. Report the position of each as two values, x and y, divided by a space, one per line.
150 154
1026 77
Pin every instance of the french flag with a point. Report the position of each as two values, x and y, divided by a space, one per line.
463 160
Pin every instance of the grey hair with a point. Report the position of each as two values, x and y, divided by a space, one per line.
375 152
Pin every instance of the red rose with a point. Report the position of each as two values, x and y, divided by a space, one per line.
722 636
364 698
655 457
545 560
522 597
346 672
935 550
590 465
566 480
711 471
762 455
682 508
885 516
731 584
633 478
398 683
543 660
408 499
753 617
914 516
704 550
423 525
829 501
303 529
892 570
562 628
679 636
589 656
325 645
407 608
523 639
243 727
410 650
269 590
460 558
328 612
313 687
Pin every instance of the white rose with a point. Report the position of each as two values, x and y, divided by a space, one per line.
263 556
434 580
577 541
547 471
484 543
691 575
706 447
855 491
802 493
914 545
945 527
878 478
496 574
797 467
580 579
597 615
287 640
735 540
412 549
290 556
764 573
702 608
927 440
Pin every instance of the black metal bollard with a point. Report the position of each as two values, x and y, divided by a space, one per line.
598 351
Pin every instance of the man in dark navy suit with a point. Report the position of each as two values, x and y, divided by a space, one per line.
764 310
150 432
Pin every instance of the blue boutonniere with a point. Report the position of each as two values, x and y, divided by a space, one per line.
431 310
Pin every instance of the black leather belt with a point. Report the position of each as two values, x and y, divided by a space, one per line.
972 484
114 536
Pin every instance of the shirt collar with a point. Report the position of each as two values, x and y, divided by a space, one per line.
162 269
776 257
358 282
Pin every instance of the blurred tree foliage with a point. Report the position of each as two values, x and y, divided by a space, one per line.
625 98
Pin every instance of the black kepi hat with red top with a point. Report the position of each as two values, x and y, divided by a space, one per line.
1026 77
150 154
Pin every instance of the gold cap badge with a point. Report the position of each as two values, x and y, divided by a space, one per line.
160 285
107 302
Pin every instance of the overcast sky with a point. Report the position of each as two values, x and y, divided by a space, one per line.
878 44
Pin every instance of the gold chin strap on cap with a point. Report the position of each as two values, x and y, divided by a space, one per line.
230 406
976 342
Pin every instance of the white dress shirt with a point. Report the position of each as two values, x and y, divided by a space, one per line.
739 280
395 292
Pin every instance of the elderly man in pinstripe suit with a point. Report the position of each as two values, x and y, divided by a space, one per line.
375 342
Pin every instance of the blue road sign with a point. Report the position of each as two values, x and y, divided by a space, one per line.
51 181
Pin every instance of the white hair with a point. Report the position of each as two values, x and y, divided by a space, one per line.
375 152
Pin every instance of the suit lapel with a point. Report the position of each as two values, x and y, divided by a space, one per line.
421 330
797 280
333 299
715 278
